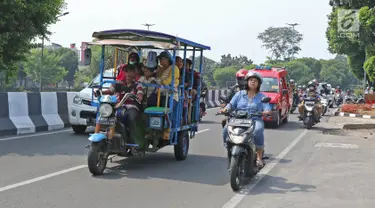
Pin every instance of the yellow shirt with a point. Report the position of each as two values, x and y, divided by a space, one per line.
166 79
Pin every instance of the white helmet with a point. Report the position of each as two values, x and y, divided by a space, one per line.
254 74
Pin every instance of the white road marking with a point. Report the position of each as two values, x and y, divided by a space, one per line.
236 199
35 135
337 145
24 183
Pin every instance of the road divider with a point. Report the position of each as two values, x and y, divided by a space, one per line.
25 113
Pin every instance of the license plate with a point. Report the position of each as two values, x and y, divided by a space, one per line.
240 121
107 121
310 103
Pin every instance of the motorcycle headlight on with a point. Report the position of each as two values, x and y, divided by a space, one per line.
239 135
105 110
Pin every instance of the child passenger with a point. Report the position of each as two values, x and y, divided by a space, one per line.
149 78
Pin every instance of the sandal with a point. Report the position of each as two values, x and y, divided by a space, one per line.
260 164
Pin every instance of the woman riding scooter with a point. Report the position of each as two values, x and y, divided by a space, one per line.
250 100
240 85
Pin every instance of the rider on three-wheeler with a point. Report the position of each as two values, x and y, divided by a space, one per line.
126 124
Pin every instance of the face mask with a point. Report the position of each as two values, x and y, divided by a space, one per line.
131 62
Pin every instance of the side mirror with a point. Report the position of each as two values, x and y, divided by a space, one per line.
266 100
87 56
285 91
223 98
85 84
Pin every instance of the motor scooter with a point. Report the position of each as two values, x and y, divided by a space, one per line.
310 116
241 149
325 103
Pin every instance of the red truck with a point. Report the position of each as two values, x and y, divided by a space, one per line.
275 86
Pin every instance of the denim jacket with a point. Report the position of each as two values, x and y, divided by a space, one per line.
241 101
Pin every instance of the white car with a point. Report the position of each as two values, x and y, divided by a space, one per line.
83 114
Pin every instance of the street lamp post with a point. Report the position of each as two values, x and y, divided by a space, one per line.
148 25
293 34
42 56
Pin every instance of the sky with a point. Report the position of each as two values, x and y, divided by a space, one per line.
227 26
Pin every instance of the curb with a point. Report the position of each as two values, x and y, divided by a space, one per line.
342 114
358 126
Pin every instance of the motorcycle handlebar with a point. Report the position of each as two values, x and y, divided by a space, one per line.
250 115
126 97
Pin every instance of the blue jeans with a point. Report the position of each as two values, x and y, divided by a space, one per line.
258 134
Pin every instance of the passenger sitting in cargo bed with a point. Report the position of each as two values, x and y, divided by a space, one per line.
149 78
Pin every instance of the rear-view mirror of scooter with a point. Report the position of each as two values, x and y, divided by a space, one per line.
266 100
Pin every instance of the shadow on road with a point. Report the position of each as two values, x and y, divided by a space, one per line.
209 122
201 169
270 158
290 126
279 185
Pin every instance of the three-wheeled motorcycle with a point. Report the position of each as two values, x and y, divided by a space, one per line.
159 125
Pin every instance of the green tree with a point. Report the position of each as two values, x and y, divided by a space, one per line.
208 68
222 75
21 21
51 71
237 61
314 65
251 66
68 60
299 71
336 72
358 46
282 42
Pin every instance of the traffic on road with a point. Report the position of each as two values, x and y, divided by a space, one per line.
50 170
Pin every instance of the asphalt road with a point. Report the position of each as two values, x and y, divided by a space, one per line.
49 170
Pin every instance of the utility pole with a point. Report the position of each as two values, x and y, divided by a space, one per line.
148 25
293 34
42 56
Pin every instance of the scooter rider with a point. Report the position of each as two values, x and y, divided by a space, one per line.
338 90
294 91
203 89
325 89
249 99
240 85
311 92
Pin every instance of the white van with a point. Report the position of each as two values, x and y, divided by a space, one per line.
82 114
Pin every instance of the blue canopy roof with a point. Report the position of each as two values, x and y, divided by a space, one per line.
146 35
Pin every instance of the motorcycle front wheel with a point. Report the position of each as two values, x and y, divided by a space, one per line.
97 158
236 172
309 122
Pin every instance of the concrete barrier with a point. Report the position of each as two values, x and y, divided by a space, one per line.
23 113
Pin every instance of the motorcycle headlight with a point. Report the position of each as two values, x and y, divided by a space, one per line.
238 135
236 139
77 100
105 110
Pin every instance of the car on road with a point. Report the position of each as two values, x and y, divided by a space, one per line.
83 113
